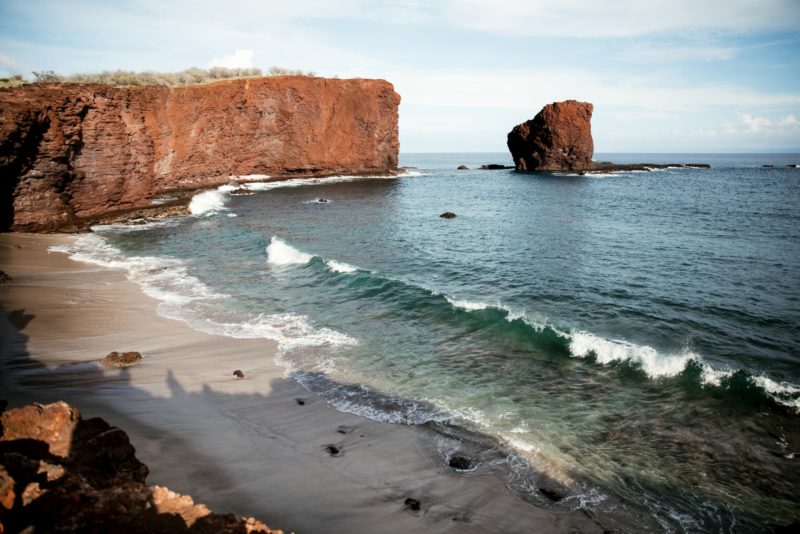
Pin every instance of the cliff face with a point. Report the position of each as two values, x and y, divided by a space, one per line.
558 138
71 153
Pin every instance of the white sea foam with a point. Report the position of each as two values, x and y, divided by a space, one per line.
232 215
606 351
783 392
165 279
340 267
280 253
467 304
207 202
290 330
168 280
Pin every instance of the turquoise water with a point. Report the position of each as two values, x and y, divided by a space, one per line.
631 341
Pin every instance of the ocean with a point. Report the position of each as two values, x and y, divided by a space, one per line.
627 344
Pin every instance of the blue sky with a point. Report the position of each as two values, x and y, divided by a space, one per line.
664 75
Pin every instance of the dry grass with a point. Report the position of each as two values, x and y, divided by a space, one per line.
192 76
13 81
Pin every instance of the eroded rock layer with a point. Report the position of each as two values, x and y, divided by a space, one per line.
70 153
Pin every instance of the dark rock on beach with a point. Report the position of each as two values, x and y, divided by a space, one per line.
460 463
125 359
412 504
448 215
553 495
62 473
238 374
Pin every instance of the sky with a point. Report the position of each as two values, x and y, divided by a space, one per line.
663 75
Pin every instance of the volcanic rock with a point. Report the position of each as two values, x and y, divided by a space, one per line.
448 215
462 168
126 359
412 504
495 167
72 154
61 473
238 374
460 463
558 138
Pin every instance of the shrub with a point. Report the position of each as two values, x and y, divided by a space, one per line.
190 76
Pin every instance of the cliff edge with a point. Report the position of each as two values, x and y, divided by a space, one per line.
71 154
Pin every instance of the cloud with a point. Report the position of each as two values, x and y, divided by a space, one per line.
239 59
520 89
752 124
619 18
789 120
10 65
678 54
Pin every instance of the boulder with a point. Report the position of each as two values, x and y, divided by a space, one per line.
460 463
115 359
462 168
495 167
558 138
61 473
448 215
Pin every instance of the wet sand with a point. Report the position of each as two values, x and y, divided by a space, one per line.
243 446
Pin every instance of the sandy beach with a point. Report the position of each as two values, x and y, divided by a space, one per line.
252 447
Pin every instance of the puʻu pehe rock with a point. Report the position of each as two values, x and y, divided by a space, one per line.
558 138
62 473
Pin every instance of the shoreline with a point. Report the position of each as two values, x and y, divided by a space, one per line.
242 446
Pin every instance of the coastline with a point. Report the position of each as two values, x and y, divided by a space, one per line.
241 446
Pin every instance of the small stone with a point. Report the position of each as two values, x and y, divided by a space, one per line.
115 359
448 215
238 374
551 494
413 504
301 402
323 200
460 463
333 450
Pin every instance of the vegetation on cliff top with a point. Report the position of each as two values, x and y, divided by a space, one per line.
191 76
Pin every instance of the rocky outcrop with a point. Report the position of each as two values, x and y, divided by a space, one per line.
62 473
558 138
73 153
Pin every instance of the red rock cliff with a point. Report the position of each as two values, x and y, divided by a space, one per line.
71 153
558 138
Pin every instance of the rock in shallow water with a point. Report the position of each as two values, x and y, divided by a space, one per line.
448 215
461 463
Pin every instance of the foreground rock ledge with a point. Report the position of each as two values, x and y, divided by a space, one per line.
62 473
559 139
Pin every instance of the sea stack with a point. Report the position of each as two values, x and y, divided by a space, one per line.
558 138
